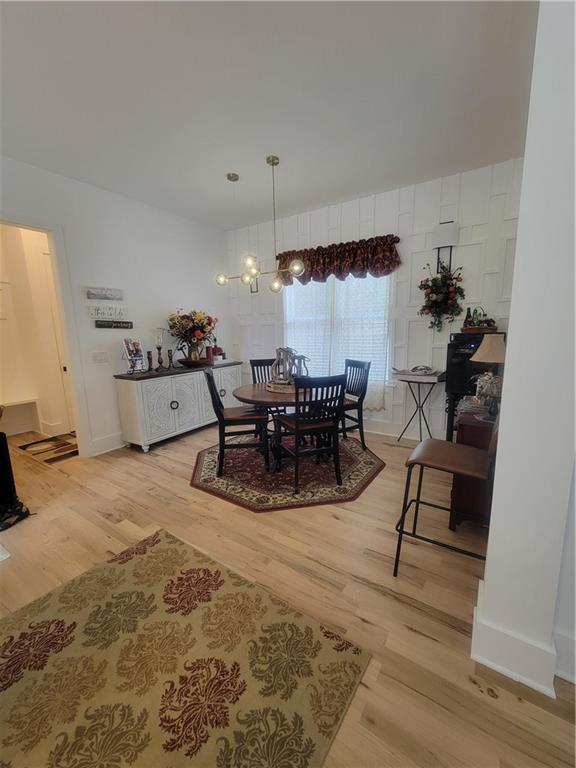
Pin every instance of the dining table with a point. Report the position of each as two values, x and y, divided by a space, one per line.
259 396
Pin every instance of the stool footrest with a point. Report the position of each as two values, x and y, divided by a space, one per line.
444 544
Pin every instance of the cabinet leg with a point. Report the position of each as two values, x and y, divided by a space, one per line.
145 448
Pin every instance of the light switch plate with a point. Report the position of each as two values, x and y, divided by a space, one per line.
100 357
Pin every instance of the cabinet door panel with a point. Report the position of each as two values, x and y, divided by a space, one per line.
159 417
187 394
228 379
206 407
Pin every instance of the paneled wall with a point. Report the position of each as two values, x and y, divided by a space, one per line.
485 204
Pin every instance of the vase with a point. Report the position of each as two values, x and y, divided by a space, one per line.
195 351
193 355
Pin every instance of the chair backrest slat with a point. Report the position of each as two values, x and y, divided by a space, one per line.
261 370
357 372
319 398
217 403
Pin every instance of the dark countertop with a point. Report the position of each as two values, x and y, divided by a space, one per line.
174 371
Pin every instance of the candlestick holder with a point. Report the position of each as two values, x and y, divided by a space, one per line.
160 366
150 362
171 365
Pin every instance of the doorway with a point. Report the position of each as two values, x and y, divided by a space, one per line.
35 376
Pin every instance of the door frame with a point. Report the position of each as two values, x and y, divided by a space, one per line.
69 328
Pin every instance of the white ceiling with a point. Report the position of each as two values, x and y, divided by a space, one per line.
157 101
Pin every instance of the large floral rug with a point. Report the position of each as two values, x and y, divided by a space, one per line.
163 658
245 481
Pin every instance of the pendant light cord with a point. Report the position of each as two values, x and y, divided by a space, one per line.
274 215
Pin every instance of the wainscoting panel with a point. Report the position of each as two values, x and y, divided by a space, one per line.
484 202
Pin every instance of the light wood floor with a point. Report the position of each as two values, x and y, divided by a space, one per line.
423 702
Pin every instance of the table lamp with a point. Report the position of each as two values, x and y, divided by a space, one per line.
492 350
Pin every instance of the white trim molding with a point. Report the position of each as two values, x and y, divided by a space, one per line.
521 658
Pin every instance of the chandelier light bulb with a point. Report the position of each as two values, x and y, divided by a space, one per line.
254 271
222 278
250 260
297 267
276 285
246 278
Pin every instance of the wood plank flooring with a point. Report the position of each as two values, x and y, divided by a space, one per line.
423 702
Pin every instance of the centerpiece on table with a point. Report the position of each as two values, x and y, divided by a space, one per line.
194 330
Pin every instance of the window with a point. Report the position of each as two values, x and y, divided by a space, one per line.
331 321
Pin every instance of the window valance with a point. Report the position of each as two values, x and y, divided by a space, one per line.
376 256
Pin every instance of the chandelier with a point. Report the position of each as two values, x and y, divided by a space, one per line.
249 277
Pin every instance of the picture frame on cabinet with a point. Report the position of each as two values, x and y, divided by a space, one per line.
134 354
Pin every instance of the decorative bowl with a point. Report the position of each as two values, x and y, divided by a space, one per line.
188 363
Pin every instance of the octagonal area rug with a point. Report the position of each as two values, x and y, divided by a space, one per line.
164 658
245 481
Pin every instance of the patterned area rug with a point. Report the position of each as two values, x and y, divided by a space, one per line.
49 450
163 658
246 482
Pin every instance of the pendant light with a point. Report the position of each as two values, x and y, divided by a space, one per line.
251 273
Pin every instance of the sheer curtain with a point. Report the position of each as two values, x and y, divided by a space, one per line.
331 321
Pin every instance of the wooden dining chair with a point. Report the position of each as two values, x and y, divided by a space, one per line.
237 417
261 369
357 373
454 458
317 414
261 373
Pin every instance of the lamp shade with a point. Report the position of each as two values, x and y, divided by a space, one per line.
446 234
491 350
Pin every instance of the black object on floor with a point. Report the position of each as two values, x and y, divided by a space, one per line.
12 510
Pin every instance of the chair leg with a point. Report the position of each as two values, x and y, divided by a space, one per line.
221 441
296 465
417 506
402 519
266 449
344 431
277 446
361 427
336 454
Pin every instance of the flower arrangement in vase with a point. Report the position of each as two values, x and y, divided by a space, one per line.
442 294
193 329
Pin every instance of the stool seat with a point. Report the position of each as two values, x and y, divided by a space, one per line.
455 458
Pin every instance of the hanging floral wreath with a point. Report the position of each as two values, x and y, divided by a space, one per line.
442 294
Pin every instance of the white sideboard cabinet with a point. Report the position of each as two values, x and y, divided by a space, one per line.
155 406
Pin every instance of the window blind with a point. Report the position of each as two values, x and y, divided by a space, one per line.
331 321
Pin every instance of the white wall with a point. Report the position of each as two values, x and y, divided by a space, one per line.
29 354
485 204
161 261
515 616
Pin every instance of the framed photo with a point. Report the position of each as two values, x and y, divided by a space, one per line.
105 294
134 354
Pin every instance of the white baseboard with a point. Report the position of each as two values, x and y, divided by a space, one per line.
522 659
565 644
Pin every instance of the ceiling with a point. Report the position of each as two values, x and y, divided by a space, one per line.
157 101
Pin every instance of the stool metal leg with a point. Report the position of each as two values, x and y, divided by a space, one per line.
402 519
417 507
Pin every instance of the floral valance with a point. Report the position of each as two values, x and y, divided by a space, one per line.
376 256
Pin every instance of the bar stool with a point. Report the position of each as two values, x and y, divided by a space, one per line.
455 458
